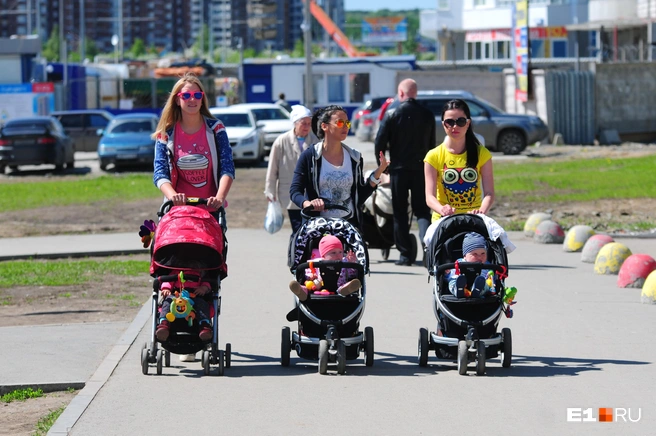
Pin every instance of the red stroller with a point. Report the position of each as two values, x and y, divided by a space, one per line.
191 240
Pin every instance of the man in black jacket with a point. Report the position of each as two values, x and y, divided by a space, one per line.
410 133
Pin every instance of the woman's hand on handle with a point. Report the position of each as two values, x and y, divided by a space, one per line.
215 202
446 210
178 199
317 204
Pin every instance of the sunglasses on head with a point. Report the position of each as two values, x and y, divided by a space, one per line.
460 122
187 95
341 123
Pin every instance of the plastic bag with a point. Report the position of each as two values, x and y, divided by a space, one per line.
274 218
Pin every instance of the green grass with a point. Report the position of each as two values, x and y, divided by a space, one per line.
43 425
576 180
21 395
129 187
65 272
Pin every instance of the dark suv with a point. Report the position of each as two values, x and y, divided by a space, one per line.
504 132
82 126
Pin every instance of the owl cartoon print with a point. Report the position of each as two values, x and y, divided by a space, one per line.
460 185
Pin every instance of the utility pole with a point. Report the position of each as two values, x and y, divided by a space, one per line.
211 31
29 17
307 35
82 30
120 29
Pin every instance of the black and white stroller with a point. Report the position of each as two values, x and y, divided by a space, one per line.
378 220
328 325
466 327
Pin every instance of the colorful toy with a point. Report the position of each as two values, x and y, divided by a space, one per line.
489 281
314 283
147 232
509 295
182 307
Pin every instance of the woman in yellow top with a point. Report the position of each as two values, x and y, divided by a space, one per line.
458 172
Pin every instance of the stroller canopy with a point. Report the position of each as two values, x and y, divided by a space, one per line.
188 237
310 233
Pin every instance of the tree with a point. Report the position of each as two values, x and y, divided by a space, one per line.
203 37
138 48
91 49
51 48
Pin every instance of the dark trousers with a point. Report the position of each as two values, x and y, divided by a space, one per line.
295 219
402 182
201 308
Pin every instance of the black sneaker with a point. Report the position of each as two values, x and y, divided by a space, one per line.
478 288
403 261
461 283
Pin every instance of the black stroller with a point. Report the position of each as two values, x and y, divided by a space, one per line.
378 221
328 325
191 240
467 327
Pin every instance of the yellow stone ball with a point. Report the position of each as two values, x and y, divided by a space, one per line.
648 295
610 258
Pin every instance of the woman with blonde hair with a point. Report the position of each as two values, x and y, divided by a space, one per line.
193 157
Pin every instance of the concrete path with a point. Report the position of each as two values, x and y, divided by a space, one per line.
579 342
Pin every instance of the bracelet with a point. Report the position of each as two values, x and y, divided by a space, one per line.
374 179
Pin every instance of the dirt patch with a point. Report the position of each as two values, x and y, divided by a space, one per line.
19 418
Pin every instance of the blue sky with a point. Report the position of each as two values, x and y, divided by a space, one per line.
374 5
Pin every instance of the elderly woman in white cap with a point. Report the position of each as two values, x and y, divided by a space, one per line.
282 161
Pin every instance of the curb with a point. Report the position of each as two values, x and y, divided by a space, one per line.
79 404
45 387
74 254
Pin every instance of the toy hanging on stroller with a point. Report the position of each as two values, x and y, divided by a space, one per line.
378 220
466 327
189 245
328 325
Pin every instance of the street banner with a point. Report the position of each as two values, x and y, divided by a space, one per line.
521 49
384 29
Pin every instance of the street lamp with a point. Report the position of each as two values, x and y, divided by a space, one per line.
115 44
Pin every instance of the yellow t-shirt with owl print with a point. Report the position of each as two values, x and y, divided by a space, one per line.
457 184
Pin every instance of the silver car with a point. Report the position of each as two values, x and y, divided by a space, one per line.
504 132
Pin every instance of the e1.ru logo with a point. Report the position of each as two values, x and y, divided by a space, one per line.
605 414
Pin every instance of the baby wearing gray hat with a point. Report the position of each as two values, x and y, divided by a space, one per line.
474 249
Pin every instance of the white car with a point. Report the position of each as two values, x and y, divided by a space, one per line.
245 134
275 118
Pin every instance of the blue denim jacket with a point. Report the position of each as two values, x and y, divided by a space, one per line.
217 138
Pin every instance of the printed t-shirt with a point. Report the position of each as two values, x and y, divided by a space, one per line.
193 159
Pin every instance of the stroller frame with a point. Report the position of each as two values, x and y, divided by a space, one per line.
211 354
470 345
325 341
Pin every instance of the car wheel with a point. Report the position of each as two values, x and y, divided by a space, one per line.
511 142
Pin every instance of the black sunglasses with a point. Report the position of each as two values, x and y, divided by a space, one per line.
460 122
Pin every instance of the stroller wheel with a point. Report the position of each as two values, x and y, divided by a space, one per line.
480 358
144 361
160 361
341 357
167 359
385 252
463 351
228 352
221 363
506 348
369 346
422 352
323 356
205 361
413 248
285 346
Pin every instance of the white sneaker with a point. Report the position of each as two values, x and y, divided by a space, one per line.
187 357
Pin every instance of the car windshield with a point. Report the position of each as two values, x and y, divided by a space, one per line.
490 105
269 114
235 120
132 126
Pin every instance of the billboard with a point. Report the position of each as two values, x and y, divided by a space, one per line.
26 100
520 48
377 30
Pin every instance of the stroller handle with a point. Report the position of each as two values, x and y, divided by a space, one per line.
307 211
331 263
475 266
191 201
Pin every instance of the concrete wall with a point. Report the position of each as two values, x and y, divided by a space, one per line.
626 99
487 85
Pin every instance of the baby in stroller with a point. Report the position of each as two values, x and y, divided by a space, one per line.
474 249
330 248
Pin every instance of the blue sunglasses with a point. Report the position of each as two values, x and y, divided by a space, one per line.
187 95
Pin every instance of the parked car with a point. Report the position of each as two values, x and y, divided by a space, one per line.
35 141
245 134
82 125
504 132
368 124
275 118
126 140
369 106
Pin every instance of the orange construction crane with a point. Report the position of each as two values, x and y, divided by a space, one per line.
334 31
